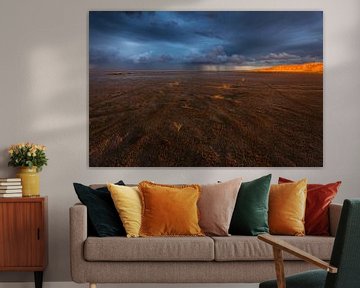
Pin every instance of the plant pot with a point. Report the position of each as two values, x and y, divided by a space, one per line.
30 181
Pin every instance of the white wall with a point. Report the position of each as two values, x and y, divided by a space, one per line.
44 98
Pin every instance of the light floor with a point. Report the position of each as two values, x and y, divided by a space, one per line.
74 285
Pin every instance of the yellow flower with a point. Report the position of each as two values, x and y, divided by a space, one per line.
39 147
31 149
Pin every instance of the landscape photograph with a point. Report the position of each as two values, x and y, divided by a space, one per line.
205 89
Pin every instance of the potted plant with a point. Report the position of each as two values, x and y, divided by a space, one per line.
30 158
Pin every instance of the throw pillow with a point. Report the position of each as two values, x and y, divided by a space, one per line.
250 215
102 215
169 210
127 201
319 197
287 204
216 206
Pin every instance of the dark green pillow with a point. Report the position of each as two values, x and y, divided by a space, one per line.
250 216
102 215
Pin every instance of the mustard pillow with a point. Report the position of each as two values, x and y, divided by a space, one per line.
127 201
169 210
287 204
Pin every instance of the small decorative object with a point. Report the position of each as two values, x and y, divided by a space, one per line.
10 187
30 158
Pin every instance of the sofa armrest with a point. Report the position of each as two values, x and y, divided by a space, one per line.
334 216
78 235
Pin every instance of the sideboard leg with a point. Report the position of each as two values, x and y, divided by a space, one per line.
38 279
92 285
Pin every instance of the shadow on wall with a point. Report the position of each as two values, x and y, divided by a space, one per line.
46 82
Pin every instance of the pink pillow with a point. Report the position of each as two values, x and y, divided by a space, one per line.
216 206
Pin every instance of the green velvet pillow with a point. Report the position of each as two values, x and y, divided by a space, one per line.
250 215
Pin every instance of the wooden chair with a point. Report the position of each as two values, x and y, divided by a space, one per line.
344 268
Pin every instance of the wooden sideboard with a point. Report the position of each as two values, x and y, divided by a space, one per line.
23 235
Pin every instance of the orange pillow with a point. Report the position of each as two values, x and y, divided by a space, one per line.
169 210
287 204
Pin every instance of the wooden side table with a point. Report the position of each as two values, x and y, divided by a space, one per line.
23 235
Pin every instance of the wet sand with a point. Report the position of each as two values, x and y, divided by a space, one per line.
195 118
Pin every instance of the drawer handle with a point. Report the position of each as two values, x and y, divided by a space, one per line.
38 234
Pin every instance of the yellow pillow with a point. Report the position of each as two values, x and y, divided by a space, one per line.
169 210
287 204
127 201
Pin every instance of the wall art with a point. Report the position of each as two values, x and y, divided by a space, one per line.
206 89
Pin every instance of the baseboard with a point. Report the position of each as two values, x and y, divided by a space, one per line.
74 285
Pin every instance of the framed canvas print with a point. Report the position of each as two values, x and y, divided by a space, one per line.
206 89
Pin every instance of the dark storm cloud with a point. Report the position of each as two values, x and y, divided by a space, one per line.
256 32
171 40
144 26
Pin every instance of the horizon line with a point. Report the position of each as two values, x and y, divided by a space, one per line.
207 68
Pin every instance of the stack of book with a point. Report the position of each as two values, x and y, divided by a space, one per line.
10 187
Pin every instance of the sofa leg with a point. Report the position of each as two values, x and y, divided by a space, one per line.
92 285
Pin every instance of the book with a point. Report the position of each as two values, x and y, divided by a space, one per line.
10 183
10 191
10 195
10 179
2 188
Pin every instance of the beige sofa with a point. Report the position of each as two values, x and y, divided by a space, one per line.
234 259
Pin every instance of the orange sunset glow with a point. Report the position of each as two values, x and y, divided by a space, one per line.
311 67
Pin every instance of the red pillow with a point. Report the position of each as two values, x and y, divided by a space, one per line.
319 197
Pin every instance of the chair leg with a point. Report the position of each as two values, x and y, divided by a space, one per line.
92 285
279 267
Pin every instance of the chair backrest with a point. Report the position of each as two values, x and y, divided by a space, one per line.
346 251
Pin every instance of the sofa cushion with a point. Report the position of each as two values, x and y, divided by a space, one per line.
102 216
169 210
216 206
318 199
149 249
127 201
250 215
287 204
244 248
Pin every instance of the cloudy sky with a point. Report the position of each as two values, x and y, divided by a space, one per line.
203 40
